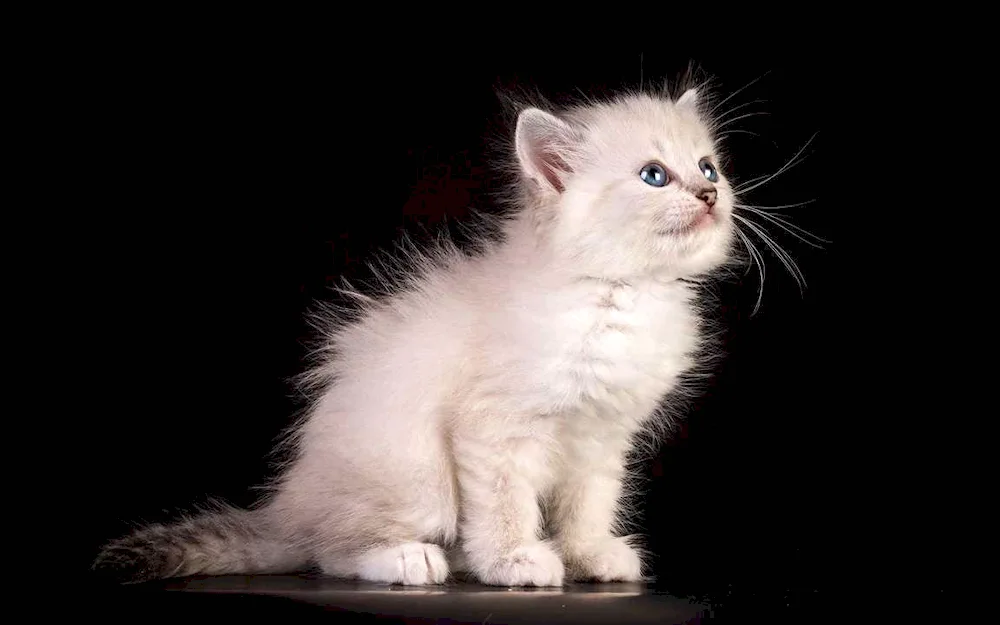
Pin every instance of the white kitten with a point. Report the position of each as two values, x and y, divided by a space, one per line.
496 389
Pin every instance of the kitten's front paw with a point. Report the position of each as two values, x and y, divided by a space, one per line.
605 560
531 565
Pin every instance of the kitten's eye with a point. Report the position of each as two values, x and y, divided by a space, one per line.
708 169
654 175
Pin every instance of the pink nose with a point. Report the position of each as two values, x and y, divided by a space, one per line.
707 195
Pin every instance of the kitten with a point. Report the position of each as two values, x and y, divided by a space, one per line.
487 407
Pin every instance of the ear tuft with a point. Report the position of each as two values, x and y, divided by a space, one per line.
543 143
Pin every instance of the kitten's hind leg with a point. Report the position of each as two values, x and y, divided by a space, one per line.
414 564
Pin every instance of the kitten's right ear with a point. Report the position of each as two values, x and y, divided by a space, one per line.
543 143
688 99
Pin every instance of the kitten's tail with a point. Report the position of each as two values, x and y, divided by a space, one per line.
212 543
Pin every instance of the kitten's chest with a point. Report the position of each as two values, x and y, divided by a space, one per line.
616 346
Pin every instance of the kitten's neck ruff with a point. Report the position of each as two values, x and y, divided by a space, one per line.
530 246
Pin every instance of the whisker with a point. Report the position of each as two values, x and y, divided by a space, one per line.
778 207
796 231
738 188
739 117
795 160
755 259
738 91
782 255
737 131
722 116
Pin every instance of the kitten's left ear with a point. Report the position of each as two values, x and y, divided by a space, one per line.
543 145
688 99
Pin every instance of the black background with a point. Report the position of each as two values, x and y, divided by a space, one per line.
225 193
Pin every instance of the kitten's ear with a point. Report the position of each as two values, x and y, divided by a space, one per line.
688 99
543 143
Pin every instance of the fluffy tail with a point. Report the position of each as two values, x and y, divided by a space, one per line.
212 543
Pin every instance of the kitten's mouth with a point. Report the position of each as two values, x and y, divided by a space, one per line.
705 219
701 222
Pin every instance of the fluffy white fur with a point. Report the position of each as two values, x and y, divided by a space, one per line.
480 417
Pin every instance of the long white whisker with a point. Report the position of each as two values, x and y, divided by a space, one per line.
738 131
791 163
739 117
735 93
785 257
796 231
782 255
722 117
755 259
722 135
756 229
737 188
779 206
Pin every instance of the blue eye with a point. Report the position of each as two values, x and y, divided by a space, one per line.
708 169
654 175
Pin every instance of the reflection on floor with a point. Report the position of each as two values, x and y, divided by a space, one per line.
456 602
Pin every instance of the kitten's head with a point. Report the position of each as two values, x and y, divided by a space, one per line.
628 187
